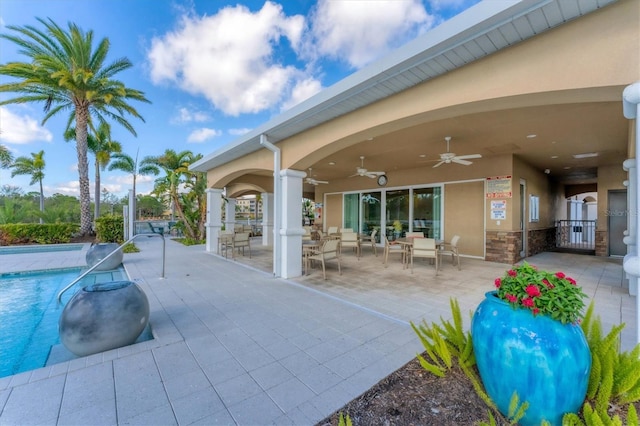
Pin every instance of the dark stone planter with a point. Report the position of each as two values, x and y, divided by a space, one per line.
546 362
99 251
104 316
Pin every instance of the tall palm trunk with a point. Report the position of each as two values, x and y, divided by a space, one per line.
96 213
41 202
82 115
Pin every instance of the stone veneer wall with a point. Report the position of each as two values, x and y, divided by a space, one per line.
541 240
503 246
602 243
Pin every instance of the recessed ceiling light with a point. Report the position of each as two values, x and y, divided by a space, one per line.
332 163
554 156
585 155
567 167
423 155
531 136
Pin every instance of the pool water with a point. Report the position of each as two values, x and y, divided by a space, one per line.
29 314
40 248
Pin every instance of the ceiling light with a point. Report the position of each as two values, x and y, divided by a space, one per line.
585 155
554 156
531 136
332 163
423 155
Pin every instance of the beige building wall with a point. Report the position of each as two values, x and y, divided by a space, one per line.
464 205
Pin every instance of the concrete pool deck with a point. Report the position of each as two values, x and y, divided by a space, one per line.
233 345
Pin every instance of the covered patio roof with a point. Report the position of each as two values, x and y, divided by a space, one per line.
595 120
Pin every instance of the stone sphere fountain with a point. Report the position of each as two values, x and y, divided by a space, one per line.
103 316
99 251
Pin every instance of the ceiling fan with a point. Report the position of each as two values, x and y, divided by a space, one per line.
361 171
450 157
313 181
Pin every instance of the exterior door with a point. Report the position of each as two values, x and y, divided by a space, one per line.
617 222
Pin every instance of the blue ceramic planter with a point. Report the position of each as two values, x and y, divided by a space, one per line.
545 361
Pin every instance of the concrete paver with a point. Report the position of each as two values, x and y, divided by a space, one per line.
233 345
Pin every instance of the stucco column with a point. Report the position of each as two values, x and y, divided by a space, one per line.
631 233
267 219
230 215
631 110
214 219
291 230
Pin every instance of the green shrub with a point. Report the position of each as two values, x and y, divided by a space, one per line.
189 241
33 233
110 229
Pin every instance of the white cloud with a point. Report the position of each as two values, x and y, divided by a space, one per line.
187 116
359 32
229 57
203 134
239 132
303 90
66 188
21 129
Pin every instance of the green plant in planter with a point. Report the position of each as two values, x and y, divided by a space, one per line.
542 292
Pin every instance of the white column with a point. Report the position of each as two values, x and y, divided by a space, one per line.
230 215
214 219
631 109
267 219
132 213
291 229
631 233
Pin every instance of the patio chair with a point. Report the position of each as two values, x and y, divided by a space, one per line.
415 234
240 241
307 233
396 248
328 251
342 230
332 230
372 240
350 240
424 248
452 249
225 242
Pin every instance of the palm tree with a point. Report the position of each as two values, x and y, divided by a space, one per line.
5 157
125 163
101 146
190 207
66 73
34 167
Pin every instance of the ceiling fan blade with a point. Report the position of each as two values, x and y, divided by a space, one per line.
354 175
459 161
321 181
438 164
468 157
371 175
376 173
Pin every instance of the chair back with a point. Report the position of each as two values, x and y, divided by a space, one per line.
415 234
332 230
330 249
454 241
242 238
349 237
424 247
343 230
373 235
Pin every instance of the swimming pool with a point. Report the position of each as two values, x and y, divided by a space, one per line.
40 248
29 314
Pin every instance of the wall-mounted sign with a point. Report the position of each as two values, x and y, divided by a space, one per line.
499 187
498 214
498 204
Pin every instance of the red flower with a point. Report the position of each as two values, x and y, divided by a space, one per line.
527 302
536 311
560 275
511 298
498 282
532 290
571 280
512 273
547 283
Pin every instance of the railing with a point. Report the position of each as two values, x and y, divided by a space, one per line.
85 273
576 234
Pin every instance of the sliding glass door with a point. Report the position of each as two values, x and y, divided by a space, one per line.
371 212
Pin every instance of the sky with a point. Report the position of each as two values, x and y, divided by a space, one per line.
212 69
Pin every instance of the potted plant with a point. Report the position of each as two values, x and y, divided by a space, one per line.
527 339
